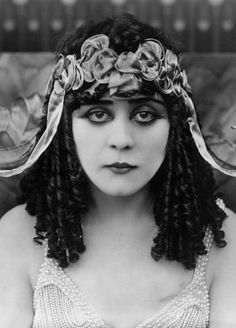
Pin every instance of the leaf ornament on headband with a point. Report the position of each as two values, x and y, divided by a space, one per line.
124 75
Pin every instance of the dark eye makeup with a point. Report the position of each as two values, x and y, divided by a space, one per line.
143 111
98 116
141 114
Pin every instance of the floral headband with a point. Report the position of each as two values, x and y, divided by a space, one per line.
123 74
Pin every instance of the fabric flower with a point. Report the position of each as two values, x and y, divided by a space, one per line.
104 65
78 77
128 63
67 74
63 75
92 44
171 64
89 52
124 84
150 55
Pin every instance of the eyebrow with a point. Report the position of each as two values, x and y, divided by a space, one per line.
132 100
137 100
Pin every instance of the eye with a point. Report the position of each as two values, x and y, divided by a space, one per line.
98 116
144 116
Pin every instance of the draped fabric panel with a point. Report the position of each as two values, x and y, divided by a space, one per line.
36 25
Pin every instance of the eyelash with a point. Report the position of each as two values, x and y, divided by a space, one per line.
92 112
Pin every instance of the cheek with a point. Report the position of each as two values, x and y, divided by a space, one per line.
155 143
88 143
81 138
80 133
155 150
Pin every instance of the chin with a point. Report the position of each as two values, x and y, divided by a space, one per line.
120 186
124 190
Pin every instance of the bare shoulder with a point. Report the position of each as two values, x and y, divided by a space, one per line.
16 236
225 257
16 241
229 227
230 222
20 258
16 230
15 218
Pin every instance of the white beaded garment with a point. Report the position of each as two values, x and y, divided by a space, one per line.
58 302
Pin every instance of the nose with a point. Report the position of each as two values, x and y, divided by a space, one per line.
121 135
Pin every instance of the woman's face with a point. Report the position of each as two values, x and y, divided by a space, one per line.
132 132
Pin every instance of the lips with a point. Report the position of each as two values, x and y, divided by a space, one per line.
121 165
120 168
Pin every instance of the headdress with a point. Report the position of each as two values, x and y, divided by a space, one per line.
124 75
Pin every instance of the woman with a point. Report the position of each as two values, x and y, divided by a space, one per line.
120 197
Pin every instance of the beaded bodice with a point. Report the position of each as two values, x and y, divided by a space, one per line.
58 302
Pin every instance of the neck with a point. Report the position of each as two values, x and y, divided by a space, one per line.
116 210
122 225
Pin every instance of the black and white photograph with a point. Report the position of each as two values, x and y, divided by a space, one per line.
118 163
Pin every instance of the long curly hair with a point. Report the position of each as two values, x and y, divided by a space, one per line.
56 189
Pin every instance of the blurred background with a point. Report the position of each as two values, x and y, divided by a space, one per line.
36 25
30 30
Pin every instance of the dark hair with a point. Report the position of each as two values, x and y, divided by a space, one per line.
56 191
